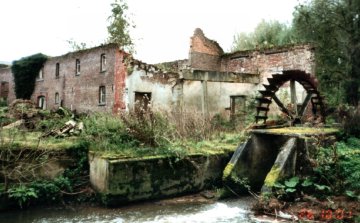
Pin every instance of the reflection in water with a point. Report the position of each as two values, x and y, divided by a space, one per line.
237 210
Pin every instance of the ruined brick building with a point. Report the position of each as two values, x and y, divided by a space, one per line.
107 79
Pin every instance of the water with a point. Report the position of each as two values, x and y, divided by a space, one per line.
237 210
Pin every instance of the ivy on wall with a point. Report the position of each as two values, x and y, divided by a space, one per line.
25 71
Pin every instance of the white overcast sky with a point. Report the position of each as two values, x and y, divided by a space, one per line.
163 27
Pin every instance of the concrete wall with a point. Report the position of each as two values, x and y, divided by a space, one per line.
270 155
159 84
120 181
218 94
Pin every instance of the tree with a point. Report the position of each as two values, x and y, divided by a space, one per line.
119 26
76 46
265 35
25 72
333 26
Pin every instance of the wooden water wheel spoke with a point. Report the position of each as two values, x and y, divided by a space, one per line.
305 104
293 96
282 107
309 84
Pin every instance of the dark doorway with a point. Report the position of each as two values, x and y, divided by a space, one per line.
238 110
142 101
41 102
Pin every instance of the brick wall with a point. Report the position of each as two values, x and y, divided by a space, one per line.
205 54
80 92
299 57
120 71
7 77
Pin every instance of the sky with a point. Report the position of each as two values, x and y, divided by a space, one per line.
163 27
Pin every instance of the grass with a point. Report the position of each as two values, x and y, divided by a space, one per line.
226 143
15 138
129 135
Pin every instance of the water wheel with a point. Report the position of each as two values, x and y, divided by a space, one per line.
308 82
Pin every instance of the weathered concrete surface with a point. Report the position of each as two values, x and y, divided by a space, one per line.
270 155
255 159
124 180
214 76
284 164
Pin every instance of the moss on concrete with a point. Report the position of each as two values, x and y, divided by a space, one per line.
227 171
143 179
301 131
272 176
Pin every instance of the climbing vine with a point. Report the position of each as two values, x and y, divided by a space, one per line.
25 71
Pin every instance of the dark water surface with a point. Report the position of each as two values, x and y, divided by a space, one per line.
235 210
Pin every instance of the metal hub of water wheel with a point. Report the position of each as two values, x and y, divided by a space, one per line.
313 96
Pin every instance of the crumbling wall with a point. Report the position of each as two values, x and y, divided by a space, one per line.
205 54
270 61
146 78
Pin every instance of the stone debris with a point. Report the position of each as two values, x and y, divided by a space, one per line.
14 124
70 128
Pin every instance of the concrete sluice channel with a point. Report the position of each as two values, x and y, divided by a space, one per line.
268 155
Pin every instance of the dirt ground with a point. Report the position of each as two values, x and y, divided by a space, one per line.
309 209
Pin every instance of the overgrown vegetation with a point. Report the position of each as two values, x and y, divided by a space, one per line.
333 27
267 34
24 153
25 71
24 171
150 133
335 177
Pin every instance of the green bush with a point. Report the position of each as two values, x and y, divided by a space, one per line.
49 191
290 189
23 195
337 172
151 128
107 132
339 166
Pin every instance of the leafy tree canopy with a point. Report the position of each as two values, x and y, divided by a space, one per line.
25 71
120 25
333 26
266 34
